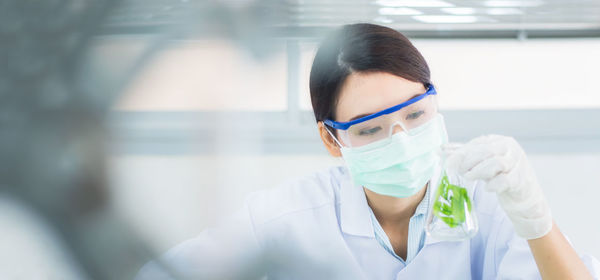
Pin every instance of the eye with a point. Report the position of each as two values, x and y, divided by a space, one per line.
369 131
415 115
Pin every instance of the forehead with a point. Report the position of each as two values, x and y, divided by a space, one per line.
367 93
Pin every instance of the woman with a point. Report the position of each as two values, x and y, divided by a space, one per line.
375 106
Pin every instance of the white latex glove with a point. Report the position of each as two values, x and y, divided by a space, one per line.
502 164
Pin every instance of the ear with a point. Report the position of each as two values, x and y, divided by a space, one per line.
330 144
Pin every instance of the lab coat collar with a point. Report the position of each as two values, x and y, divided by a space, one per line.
354 210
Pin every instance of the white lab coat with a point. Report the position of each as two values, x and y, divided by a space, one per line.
319 228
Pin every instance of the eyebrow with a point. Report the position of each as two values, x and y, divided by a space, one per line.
364 115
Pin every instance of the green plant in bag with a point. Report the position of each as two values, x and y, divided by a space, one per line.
451 201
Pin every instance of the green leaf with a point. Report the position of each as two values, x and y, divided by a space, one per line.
450 203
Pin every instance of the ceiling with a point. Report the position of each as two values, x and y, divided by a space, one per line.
419 18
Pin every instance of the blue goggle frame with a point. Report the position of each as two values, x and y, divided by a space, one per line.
346 125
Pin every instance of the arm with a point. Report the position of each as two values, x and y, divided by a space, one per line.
555 258
230 250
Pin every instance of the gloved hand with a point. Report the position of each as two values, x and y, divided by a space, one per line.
502 164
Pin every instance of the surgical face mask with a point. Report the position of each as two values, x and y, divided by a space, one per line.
401 165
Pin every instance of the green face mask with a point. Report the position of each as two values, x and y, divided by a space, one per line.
400 165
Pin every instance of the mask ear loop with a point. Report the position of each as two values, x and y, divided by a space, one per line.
334 139
337 142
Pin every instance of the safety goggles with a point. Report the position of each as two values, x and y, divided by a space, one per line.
381 125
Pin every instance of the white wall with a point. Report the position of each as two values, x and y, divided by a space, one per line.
479 74
469 74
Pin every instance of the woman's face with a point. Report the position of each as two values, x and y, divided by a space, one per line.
367 93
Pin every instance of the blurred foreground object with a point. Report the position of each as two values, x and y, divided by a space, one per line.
53 136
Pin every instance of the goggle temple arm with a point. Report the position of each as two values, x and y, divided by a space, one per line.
334 138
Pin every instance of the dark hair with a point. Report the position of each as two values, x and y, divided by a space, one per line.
361 48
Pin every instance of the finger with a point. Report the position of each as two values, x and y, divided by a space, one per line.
502 160
490 168
486 139
452 155
478 153
463 158
454 159
528 202
501 182
513 182
450 148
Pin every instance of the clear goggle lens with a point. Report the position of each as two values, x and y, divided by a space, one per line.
384 126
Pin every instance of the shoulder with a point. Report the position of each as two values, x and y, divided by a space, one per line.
297 195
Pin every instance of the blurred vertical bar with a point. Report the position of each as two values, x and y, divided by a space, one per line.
293 86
